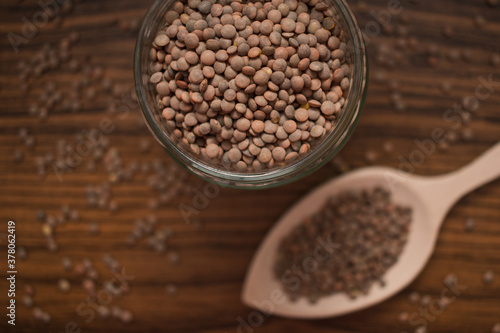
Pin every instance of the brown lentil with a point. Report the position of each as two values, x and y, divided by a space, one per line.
488 277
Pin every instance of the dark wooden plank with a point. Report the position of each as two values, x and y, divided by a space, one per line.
214 259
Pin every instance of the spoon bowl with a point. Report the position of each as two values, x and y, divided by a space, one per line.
430 199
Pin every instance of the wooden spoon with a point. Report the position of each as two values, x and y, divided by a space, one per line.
430 198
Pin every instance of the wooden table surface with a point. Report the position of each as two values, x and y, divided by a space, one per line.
411 61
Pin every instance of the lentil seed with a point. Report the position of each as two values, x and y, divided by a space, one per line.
276 72
340 219
488 277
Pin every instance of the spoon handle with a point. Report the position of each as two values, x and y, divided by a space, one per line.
444 191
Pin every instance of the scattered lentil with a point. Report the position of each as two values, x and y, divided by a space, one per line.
421 329
469 224
28 301
64 285
425 300
403 317
67 263
488 277
171 289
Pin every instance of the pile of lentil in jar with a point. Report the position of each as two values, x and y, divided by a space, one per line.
250 85
345 247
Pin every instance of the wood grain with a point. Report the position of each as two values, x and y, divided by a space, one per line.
214 259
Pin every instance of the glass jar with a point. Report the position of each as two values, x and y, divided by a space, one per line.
320 152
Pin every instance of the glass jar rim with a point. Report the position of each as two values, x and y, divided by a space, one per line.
265 178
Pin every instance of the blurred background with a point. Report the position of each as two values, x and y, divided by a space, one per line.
102 244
